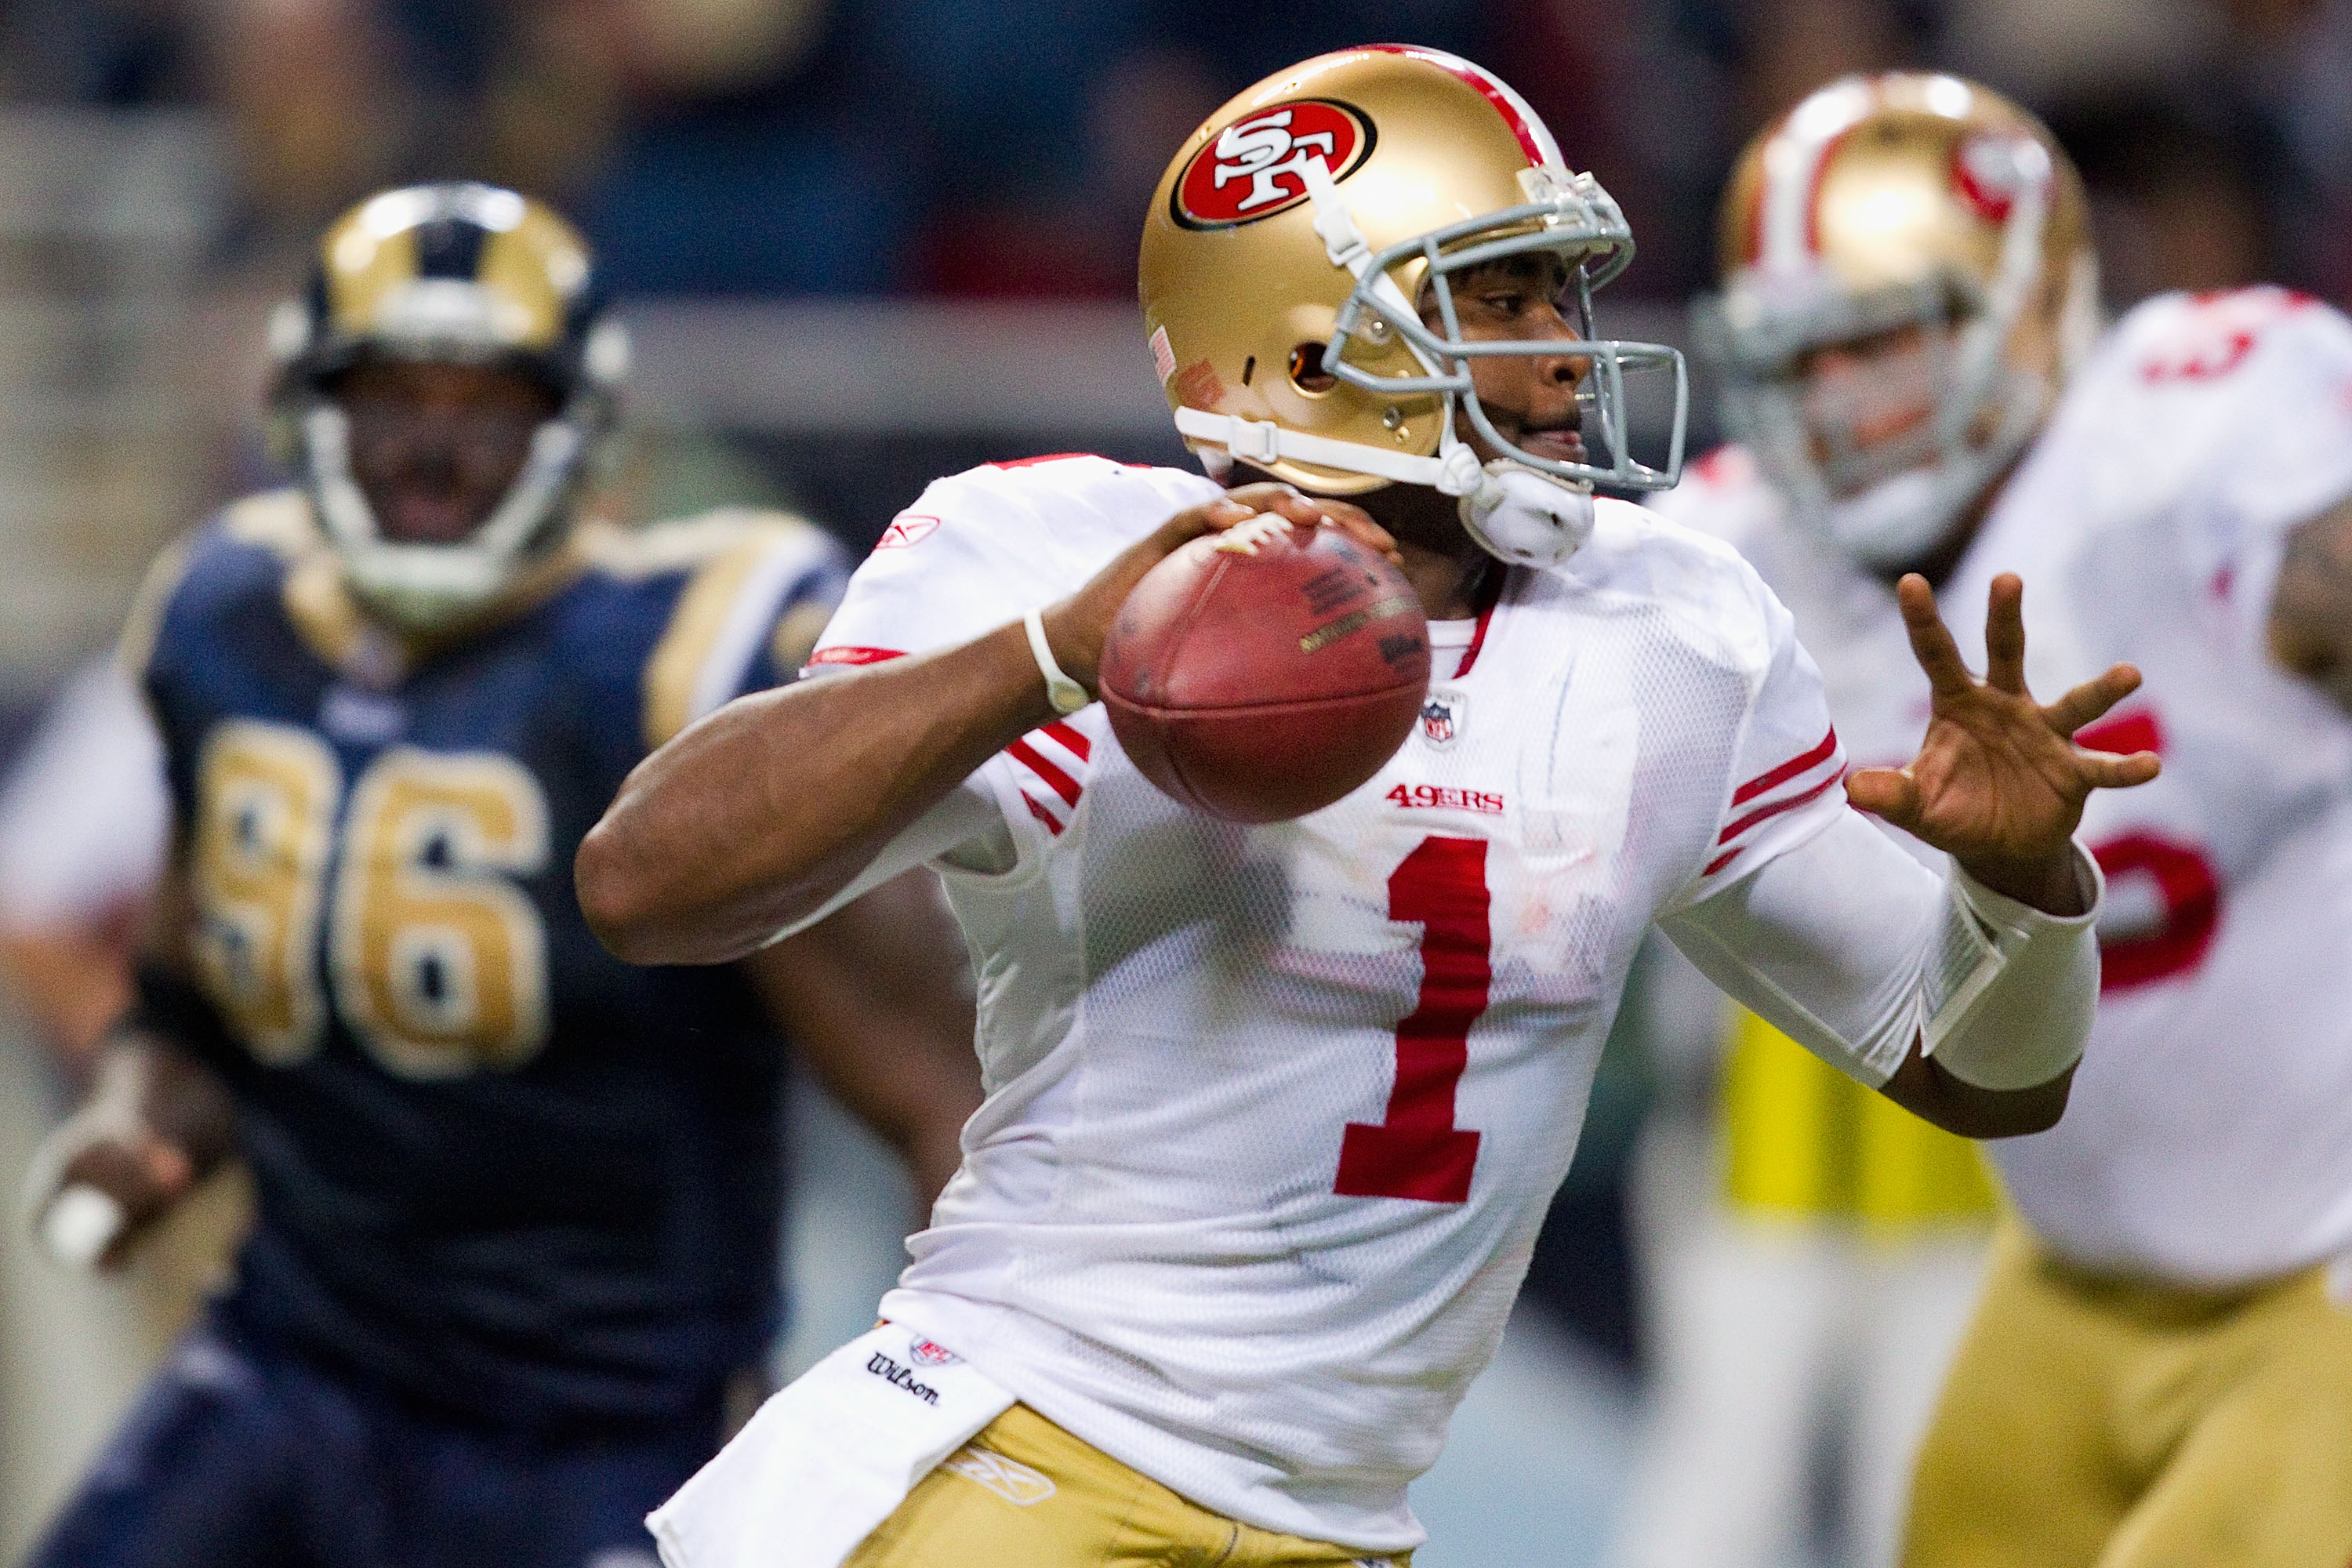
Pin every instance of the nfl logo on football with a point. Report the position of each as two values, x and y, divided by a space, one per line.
1442 716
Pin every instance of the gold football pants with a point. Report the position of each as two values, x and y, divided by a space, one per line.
1026 1494
2102 1423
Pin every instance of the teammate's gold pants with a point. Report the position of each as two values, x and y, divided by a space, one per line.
1026 1494
2098 1423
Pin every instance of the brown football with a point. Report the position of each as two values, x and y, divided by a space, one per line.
1261 673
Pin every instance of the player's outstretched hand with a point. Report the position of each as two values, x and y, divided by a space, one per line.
152 1129
1998 782
1078 625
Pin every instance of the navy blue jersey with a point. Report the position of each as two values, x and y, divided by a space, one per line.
496 1168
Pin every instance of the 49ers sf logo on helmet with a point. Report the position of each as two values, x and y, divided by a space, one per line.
1251 169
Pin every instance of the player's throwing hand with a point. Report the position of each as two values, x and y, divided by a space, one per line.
1998 782
1077 626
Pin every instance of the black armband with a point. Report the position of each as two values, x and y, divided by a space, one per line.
169 1005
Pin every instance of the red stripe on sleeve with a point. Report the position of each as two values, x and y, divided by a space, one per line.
1719 862
1080 747
1787 769
1766 812
854 655
1029 757
1042 815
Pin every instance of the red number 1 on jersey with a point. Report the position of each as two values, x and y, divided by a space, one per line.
1418 1153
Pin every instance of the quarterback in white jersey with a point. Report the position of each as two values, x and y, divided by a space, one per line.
1274 1113
2157 1337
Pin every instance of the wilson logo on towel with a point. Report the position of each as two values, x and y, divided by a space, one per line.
897 1376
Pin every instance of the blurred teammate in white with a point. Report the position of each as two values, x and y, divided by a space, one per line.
2160 1369
1274 1113
1817 1297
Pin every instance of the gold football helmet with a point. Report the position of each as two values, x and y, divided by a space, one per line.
1907 280
465 274
1296 237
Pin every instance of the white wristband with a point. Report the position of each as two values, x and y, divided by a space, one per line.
1067 695
2011 990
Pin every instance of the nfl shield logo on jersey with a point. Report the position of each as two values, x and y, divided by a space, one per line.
1442 716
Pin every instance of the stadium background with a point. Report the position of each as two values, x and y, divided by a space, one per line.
863 242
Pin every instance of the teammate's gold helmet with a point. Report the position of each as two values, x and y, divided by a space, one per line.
465 274
1878 204
1294 238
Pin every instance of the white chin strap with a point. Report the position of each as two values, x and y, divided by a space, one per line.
1895 524
1899 522
1515 513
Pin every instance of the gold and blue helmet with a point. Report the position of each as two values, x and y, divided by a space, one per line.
464 274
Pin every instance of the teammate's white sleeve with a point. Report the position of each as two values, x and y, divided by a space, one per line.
1855 950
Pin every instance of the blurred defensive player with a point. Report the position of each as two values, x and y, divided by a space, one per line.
2159 1368
1274 1112
517 1203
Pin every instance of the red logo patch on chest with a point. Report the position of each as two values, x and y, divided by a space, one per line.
1252 168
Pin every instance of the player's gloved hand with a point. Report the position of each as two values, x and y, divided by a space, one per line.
153 1125
1078 625
1999 783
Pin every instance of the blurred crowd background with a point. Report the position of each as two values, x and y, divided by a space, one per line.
841 220
863 242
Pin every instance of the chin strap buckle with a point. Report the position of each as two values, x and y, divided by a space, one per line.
1257 441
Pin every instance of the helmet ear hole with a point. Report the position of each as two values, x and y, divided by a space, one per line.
1307 371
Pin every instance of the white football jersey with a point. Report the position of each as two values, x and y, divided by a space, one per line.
2208 1138
1275 1113
1846 618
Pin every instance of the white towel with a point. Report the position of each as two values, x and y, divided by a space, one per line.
828 1458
